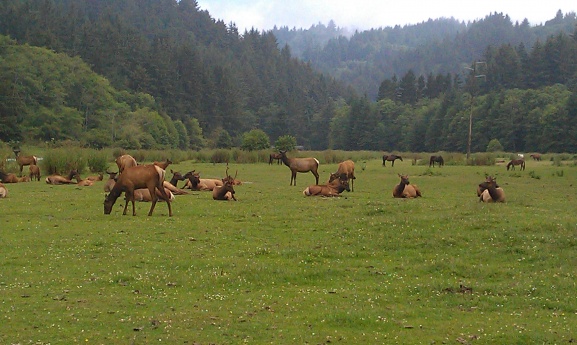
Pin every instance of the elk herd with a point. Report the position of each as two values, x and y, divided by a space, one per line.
149 182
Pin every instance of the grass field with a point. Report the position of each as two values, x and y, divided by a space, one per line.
279 268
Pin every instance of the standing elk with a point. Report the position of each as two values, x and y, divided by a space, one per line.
492 192
405 189
140 176
275 156
348 168
514 162
3 191
34 172
125 161
25 160
59 179
201 184
536 156
164 164
391 158
300 165
436 159
110 182
337 184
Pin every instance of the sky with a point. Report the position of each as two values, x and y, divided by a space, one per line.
367 14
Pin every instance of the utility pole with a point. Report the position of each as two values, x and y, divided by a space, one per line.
474 70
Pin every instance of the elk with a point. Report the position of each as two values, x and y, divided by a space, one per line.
514 162
176 176
536 156
300 165
164 164
34 172
405 189
275 156
81 182
347 167
3 191
8 178
25 160
201 184
110 182
231 180
59 179
143 195
485 184
337 184
391 158
140 176
98 177
125 161
493 193
224 192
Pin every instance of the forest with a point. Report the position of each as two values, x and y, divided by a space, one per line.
165 74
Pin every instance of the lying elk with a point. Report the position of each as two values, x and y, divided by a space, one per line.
81 182
492 192
300 165
347 167
95 178
140 176
59 179
201 184
485 184
110 182
337 184
405 189
176 176
275 156
143 195
125 161
226 191
12 178
25 160
3 191
34 172
231 180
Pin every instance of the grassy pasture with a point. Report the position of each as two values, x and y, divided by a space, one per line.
279 268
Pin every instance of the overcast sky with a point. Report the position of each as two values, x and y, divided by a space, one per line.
367 14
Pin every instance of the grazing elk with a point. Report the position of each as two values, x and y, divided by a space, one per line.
164 164
59 179
25 160
201 184
300 165
140 176
347 167
275 156
337 184
3 191
143 195
125 161
34 172
514 162
492 192
405 189
392 159
536 157
436 159
110 182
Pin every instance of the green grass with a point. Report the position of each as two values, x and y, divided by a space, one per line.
280 268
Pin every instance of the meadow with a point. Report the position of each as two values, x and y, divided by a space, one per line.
280 268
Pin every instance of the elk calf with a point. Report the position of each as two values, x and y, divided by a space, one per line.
347 167
34 172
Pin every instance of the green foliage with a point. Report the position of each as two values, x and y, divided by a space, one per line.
285 143
254 140
97 161
494 146
223 140
220 156
62 160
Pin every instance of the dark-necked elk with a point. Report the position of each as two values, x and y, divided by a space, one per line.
436 159
25 160
492 192
224 192
392 159
300 165
176 176
110 182
125 161
274 156
34 172
140 176
514 162
231 180
3 191
337 184
485 184
201 184
536 157
59 179
348 168
405 189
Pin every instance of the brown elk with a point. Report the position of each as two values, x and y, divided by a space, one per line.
81 182
337 184
95 178
405 189
275 156
485 184
143 195
300 165
8 178
492 192
25 160
347 167
391 158
59 179
110 182
164 164
140 176
226 191
125 161
231 180
514 162
536 156
176 176
201 184
3 191
34 172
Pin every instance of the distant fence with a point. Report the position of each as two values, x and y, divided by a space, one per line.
14 159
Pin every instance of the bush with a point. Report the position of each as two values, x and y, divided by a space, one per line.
220 156
254 140
285 143
62 160
97 161
494 146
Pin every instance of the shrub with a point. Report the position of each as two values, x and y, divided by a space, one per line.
255 139
285 143
220 156
62 160
97 161
494 146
